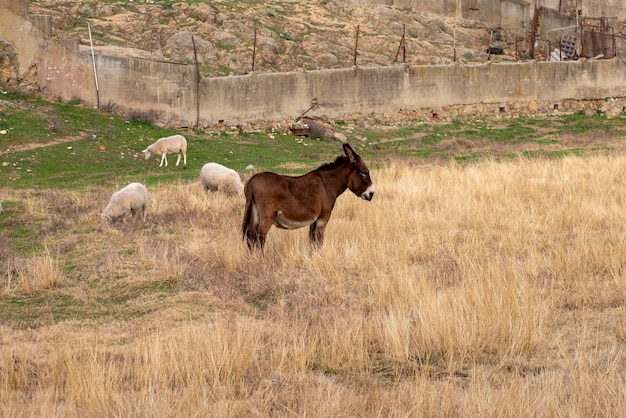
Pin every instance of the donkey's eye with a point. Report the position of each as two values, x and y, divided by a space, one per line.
363 174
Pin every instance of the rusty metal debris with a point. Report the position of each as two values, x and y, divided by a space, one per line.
300 128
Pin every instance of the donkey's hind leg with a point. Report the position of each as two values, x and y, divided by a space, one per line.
257 228
261 230
252 237
255 239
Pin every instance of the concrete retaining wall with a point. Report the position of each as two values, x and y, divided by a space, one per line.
392 89
148 89
167 92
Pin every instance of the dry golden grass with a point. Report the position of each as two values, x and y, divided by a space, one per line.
37 273
494 289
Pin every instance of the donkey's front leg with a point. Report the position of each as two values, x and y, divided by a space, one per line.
316 232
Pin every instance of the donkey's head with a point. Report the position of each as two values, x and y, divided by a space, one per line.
359 181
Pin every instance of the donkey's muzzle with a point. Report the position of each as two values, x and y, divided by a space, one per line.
367 196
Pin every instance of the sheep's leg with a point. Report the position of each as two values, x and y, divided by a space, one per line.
163 159
185 157
143 211
178 160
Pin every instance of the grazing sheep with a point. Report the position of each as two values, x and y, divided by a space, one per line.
175 144
126 201
214 176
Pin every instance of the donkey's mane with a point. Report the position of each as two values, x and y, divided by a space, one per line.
342 159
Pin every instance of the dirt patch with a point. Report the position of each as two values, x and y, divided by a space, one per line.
35 145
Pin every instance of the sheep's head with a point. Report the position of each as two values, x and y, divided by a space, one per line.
147 153
106 218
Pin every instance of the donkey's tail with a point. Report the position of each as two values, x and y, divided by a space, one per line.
247 214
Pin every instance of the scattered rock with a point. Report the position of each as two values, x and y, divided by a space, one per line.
318 128
202 12
340 137
106 11
327 60
180 46
224 38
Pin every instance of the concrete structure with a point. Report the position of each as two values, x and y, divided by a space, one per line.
513 15
172 94
391 89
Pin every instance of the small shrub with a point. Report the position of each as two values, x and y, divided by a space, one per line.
54 123
87 12
108 107
142 116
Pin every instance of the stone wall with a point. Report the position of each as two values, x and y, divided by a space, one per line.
610 107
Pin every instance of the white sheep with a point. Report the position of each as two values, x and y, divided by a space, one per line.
175 144
128 200
214 176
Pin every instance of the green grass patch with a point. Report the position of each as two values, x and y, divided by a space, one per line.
26 311
42 308
85 146
73 157
214 71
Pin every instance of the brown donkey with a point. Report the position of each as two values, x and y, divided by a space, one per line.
295 202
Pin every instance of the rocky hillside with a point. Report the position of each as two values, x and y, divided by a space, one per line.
240 37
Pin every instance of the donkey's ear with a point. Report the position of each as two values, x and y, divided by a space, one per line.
350 153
